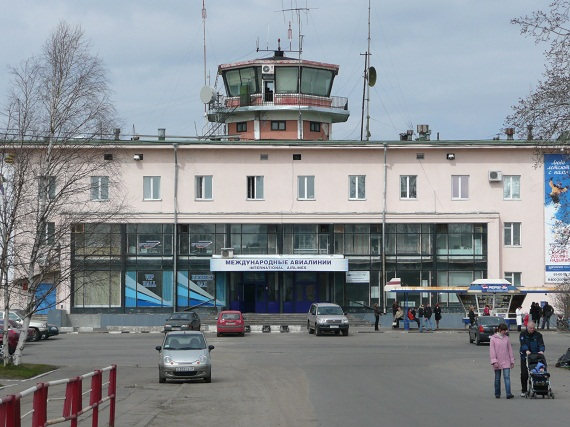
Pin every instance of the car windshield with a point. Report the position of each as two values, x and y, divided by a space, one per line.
230 316
180 316
491 321
184 342
335 310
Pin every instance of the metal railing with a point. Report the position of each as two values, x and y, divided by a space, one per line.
11 406
280 99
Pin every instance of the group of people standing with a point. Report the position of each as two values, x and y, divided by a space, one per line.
423 317
535 313
503 360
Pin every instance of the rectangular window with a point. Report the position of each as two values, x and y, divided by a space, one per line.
511 187
459 187
306 187
47 187
204 187
408 186
151 188
99 188
356 185
513 277
512 233
49 236
278 125
255 187
241 127
315 126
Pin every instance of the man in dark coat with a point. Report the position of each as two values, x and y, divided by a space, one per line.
427 314
531 342
376 316
547 311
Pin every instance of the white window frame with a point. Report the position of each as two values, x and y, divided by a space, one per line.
459 187
306 187
255 186
99 188
406 187
515 277
204 187
509 187
152 184
510 231
359 182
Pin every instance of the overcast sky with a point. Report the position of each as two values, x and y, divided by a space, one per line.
457 65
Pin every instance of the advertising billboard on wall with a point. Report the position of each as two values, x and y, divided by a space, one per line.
557 217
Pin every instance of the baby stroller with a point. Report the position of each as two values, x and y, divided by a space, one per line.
538 377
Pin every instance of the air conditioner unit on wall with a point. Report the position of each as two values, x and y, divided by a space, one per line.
495 176
268 69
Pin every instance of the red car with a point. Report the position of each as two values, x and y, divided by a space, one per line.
230 322
13 337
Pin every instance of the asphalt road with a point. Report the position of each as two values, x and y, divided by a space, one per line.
389 378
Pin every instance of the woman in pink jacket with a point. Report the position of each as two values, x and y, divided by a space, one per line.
502 359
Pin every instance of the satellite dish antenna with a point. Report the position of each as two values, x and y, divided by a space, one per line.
207 94
371 76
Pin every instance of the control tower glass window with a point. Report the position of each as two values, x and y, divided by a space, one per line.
235 79
286 79
316 82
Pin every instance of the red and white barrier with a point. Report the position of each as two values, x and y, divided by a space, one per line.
10 406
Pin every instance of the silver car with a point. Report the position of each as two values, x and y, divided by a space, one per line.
326 317
184 355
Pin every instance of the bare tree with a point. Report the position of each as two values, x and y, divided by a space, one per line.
547 107
57 114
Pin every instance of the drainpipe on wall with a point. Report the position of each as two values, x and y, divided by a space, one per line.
384 230
175 243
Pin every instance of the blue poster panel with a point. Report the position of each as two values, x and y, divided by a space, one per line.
556 217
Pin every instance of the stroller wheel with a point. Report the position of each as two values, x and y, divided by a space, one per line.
551 395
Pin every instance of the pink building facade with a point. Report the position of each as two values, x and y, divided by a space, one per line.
271 226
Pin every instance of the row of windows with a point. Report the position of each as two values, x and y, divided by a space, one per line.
278 125
306 187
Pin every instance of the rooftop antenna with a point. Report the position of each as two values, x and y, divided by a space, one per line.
369 81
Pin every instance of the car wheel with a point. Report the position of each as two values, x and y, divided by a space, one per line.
36 336
345 332
208 379
242 334
477 340
218 334
309 328
161 378
317 331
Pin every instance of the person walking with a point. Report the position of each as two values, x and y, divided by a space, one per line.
376 316
421 316
547 311
519 316
531 341
502 360
427 314
437 314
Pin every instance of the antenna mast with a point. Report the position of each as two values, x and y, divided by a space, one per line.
366 87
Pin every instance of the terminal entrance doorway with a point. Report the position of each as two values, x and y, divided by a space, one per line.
275 292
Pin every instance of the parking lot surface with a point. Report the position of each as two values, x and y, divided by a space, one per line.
432 379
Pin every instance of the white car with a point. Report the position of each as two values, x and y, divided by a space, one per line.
40 329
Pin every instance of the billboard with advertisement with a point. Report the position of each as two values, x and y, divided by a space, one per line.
556 217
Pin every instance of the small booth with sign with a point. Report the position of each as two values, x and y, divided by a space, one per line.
501 297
